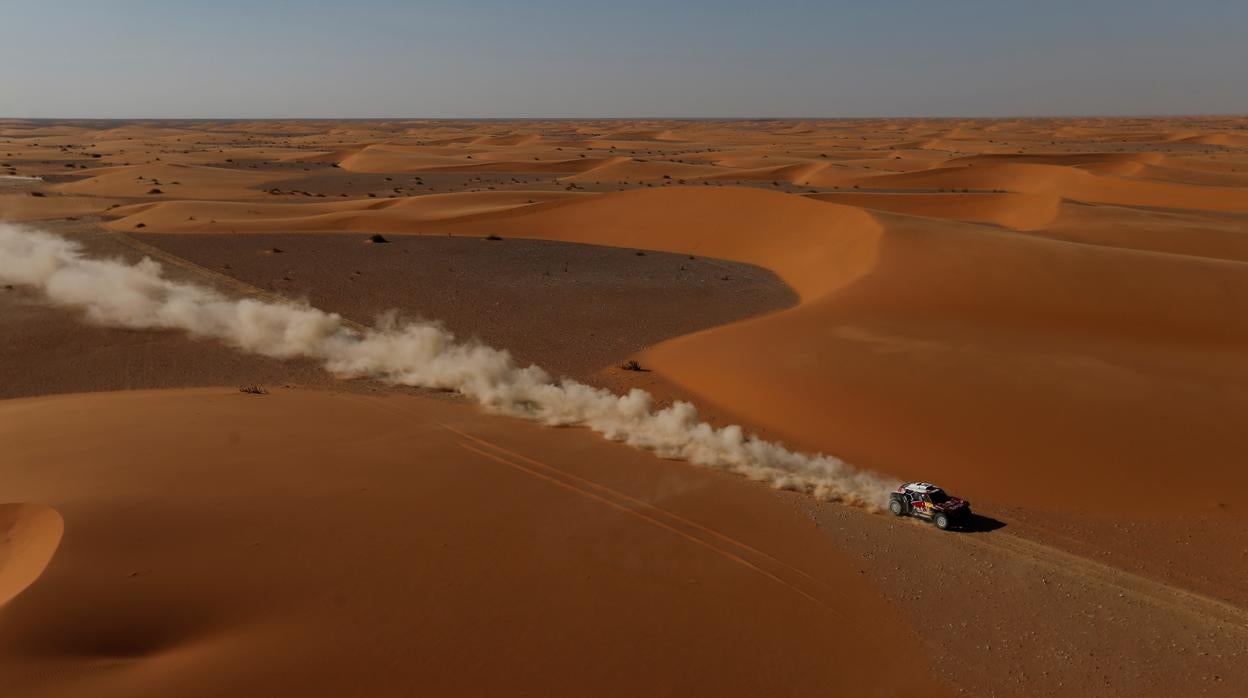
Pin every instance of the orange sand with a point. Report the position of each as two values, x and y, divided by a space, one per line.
1044 315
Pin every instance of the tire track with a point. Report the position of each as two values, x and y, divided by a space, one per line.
714 541
729 555
641 503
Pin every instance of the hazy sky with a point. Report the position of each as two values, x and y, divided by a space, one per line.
533 58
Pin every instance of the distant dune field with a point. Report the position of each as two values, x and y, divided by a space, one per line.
1043 315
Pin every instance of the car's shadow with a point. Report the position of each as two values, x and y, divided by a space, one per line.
978 523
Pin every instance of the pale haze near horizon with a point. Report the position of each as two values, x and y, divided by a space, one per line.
548 58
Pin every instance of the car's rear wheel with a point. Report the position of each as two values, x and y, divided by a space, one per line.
941 521
895 507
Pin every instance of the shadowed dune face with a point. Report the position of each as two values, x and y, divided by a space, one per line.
29 536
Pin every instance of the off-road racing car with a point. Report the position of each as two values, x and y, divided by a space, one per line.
927 501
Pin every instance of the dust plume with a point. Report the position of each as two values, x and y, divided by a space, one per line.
118 294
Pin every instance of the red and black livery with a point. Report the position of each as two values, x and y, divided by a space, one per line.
927 501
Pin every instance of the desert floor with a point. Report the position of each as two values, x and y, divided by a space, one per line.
1044 316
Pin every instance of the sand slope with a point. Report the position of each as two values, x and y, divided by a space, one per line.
1067 182
977 334
29 536
993 361
362 215
814 247
1014 211
379 546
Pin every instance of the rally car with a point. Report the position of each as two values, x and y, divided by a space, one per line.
927 501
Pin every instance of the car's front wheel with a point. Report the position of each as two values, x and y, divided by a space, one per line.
941 521
895 507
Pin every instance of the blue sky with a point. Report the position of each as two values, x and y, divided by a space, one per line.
551 58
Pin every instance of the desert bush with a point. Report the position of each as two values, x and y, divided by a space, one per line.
252 390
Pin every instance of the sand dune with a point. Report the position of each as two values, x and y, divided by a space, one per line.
1041 314
507 140
916 307
815 247
328 533
1014 211
171 181
1238 140
802 173
29 536
939 283
939 291
22 207
1219 236
1070 159
1067 182
352 215
622 169
396 159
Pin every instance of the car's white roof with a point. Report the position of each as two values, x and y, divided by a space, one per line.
924 487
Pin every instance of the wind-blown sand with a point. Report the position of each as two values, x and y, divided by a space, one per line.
1043 315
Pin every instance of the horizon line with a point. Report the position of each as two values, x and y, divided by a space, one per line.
628 118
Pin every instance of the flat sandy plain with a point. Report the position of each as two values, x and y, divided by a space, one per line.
1045 316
